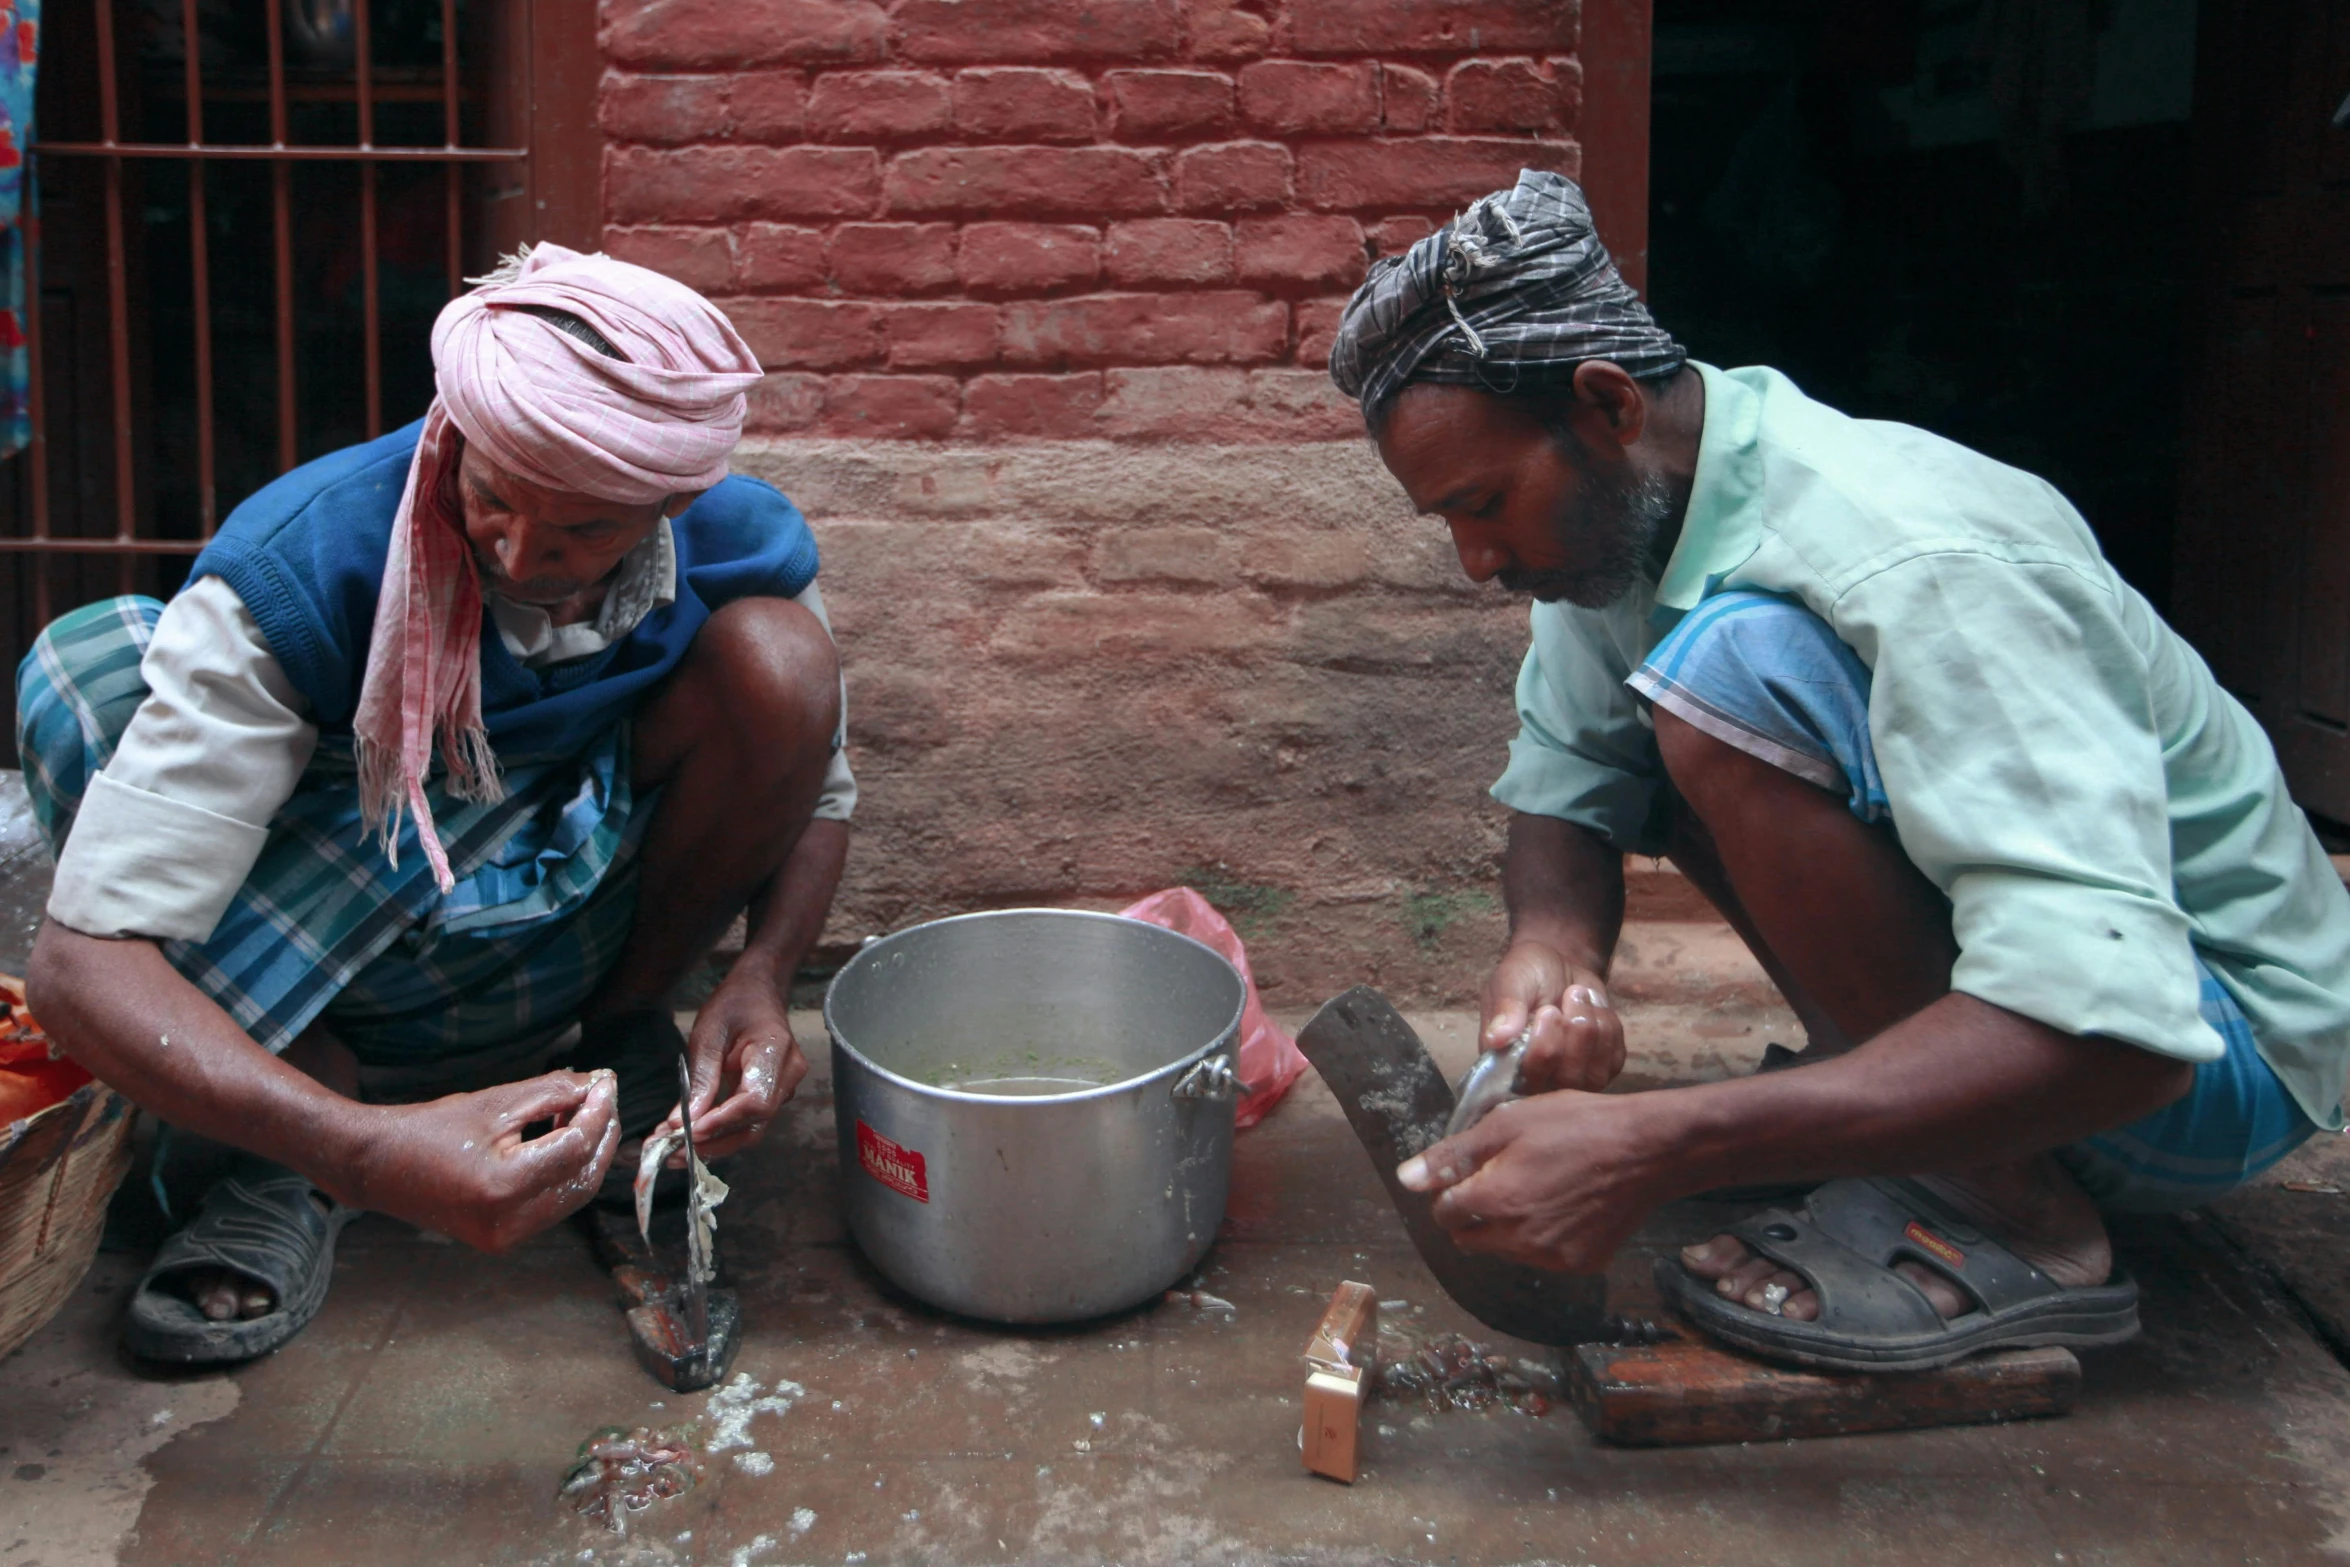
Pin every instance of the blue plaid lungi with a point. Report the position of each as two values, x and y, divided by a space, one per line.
1763 673
326 929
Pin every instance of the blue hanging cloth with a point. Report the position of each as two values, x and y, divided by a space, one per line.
20 31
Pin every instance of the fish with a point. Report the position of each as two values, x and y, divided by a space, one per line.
621 1473
704 1195
648 1173
1490 1083
1451 1371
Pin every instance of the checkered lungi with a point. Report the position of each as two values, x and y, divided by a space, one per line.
441 989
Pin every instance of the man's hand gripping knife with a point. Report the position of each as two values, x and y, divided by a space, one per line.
1503 1180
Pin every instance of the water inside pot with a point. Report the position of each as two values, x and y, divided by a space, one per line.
1031 1003
1025 1073
1024 1087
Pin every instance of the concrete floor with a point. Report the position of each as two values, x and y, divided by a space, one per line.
432 1410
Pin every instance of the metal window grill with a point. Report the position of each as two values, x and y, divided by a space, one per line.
366 87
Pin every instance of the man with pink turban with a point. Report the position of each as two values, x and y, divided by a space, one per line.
383 846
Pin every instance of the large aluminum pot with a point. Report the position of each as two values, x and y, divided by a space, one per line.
1035 1109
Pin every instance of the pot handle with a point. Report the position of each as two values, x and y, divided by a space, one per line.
1211 1077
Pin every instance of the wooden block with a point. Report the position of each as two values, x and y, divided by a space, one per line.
1348 1334
1339 1359
1334 1407
1688 1392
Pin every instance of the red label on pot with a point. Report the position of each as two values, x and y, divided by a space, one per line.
899 1169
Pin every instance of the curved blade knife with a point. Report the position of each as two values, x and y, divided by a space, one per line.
1398 1104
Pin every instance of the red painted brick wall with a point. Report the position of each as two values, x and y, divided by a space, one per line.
1042 219
1045 289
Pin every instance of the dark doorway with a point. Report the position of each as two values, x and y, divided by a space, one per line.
2264 524
1967 215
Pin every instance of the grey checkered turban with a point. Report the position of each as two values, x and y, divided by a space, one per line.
1511 295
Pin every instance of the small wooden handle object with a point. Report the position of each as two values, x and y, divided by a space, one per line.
1340 1358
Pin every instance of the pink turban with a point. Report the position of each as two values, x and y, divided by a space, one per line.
546 407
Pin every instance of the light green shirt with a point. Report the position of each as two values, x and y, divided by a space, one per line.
2058 761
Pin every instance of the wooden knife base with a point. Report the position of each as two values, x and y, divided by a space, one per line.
1689 1392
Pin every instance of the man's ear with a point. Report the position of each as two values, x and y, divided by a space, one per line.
1610 391
676 504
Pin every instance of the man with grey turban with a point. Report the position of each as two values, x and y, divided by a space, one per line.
383 845
2062 942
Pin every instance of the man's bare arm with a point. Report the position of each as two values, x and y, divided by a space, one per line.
746 1064
1564 886
458 1165
788 915
1962 1083
1563 1180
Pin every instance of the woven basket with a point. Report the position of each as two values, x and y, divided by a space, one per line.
58 1167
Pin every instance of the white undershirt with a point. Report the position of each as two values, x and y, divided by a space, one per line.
171 828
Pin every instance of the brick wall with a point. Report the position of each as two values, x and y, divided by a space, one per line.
1045 289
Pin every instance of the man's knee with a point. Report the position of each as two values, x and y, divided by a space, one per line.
1728 788
758 694
769 666
1705 771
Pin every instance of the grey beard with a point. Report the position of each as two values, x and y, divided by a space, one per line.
1627 519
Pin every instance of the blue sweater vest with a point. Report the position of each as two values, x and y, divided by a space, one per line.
306 553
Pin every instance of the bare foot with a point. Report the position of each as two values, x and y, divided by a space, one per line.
223 1294
2035 1209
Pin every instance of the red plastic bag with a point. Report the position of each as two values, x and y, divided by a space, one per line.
1268 1060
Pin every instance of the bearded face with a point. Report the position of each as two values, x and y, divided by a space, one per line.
1543 498
1620 518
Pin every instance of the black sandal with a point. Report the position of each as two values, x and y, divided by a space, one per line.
1844 1242
259 1222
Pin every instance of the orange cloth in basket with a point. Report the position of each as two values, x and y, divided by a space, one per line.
30 1081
